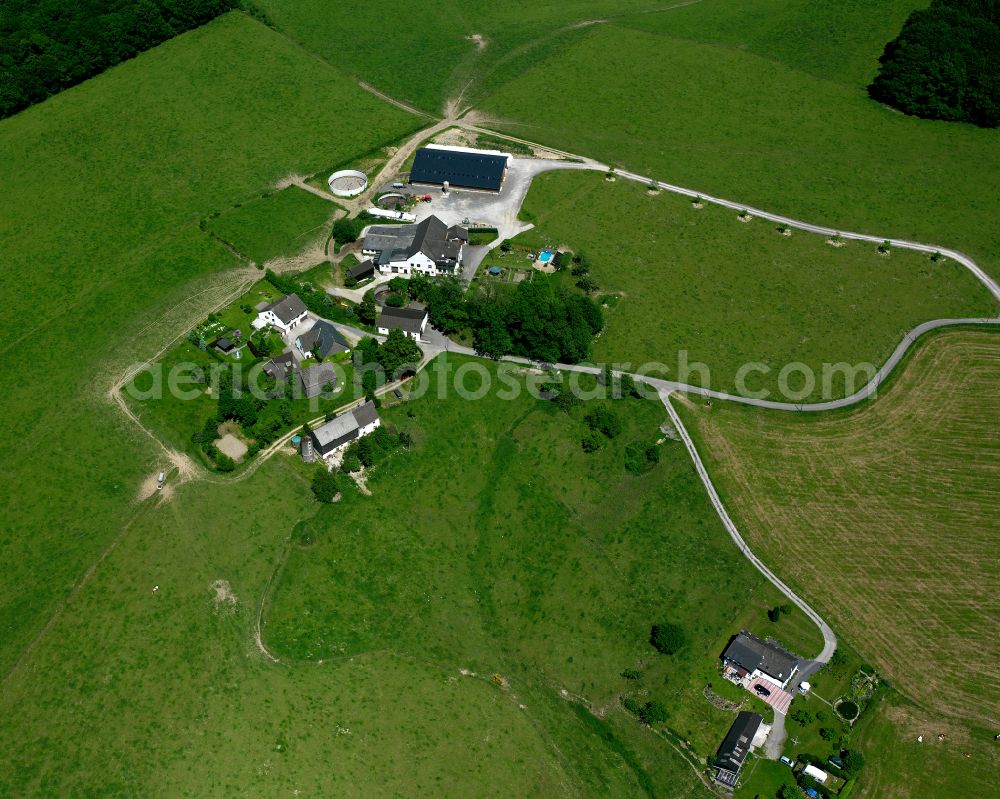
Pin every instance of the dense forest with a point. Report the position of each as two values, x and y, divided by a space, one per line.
945 63
49 45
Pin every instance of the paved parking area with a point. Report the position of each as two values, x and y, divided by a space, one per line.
779 699
486 208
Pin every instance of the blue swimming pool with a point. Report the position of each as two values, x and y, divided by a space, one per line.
545 256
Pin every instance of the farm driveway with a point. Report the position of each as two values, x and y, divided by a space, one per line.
779 699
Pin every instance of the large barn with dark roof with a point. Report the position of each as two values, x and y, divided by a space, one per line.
460 168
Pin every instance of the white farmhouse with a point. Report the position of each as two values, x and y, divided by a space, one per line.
284 314
412 320
344 429
427 248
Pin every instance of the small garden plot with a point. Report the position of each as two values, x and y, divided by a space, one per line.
479 236
276 224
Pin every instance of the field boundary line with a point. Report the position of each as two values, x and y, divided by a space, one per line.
829 637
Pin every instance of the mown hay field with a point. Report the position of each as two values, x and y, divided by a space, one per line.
885 517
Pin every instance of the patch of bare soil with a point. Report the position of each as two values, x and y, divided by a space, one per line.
147 489
745 218
225 600
360 479
835 242
478 39
455 137
306 259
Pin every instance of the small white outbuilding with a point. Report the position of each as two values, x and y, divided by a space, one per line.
816 773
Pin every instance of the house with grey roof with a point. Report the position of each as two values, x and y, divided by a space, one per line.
322 340
429 248
342 430
283 314
738 743
315 379
748 657
279 367
411 320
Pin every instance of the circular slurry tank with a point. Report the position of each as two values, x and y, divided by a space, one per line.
347 182
391 200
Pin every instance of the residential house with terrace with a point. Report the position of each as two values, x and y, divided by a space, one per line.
748 658
284 314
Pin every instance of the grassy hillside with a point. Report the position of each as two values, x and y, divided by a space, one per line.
727 293
726 121
836 42
490 546
884 517
276 224
429 57
104 186
497 545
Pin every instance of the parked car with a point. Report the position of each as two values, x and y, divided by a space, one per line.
398 185
787 761
761 690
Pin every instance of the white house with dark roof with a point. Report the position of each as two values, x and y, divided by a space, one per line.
748 657
428 248
342 430
412 320
284 314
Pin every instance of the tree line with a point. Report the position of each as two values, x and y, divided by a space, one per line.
945 64
49 45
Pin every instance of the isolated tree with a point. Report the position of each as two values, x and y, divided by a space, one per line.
345 231
350 463
324 485
802 716
604 420
853 762
591 441
367 310
667 638
398 351
653 712
366 452
827 733
789 791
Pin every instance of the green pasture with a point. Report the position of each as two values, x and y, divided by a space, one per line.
701 285
721 119
558 589
429 58
104 262
276 224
